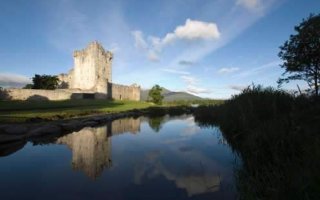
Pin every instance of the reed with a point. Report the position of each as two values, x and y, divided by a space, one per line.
277 137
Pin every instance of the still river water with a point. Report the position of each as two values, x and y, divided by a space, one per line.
143 158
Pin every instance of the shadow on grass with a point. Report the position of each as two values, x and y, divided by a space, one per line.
31 111
47 105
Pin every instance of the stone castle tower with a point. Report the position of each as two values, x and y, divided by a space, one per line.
92 73
92 68
90 78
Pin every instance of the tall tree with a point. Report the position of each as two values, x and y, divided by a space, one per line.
46 82
301 54
155 94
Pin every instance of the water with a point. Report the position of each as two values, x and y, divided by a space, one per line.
159 158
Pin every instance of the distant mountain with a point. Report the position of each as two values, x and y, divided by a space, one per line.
171 96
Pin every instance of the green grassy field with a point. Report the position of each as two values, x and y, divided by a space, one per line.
20 111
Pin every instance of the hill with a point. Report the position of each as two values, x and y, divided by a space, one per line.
171 96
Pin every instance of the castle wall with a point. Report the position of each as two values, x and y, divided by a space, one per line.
52 95
123 92
117 92
33 94
84 71
65 80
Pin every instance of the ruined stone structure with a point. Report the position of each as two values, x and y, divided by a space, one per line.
90 77
124 92
91 72
91 147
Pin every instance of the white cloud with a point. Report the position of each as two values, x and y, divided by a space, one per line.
139 41
197 90
13 80
175 71
192 85
142 44
227 70
232 24
259 69
193 30
114 47
190 80
152 56
249 4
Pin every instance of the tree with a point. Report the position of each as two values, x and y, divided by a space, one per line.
46 82
28 86
301 54
155 94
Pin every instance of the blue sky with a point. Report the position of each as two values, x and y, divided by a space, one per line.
211 48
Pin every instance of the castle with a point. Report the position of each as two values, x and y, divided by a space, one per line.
90 78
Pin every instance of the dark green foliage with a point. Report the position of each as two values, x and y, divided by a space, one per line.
45 82
155 94
4 94
159 111
301 54
277 137
28 86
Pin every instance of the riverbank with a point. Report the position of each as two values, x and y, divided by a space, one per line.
38 111
11 132
277 137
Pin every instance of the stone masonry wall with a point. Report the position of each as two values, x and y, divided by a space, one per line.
92 68
33 94
123 92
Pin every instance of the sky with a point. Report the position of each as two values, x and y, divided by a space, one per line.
210 48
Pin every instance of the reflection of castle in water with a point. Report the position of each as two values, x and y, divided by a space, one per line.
91 147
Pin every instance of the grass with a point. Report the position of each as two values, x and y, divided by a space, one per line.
277 137
24 111
21 111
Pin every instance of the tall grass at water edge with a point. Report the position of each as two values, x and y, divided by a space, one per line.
277 136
